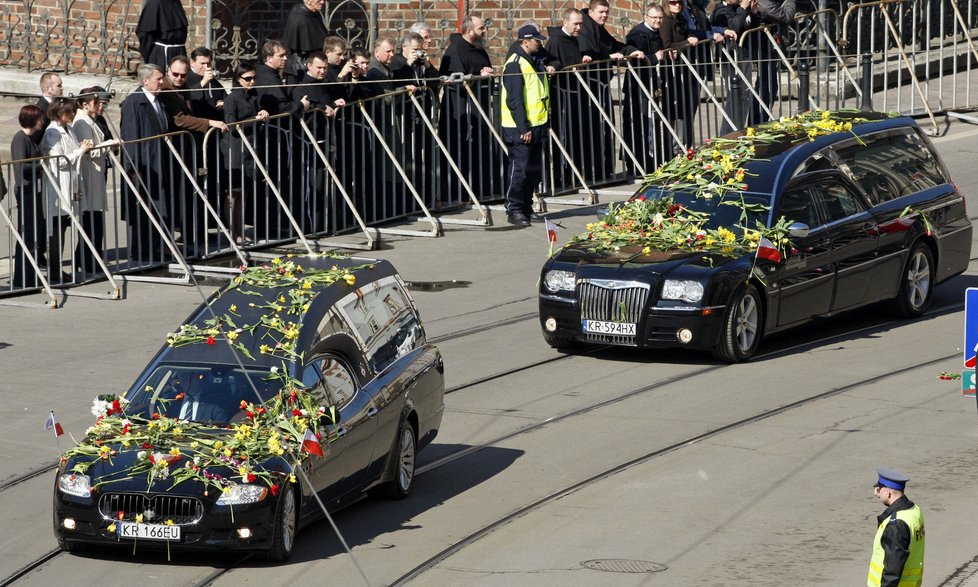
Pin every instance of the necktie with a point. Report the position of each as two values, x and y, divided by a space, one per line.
161 113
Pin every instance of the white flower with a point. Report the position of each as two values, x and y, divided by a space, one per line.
141 455
657 219
274 369
100 407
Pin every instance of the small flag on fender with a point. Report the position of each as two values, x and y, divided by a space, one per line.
310 444
767 250
53 424
551 231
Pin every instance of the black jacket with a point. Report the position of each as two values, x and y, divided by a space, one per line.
564 48
597 42
203 100
895 542
273 96
314 90
162 21
730 16
463 57
646 40
304 31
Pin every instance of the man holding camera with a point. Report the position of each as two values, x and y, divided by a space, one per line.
207 94
411 67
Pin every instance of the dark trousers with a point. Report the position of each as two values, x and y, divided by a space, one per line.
93 223
33 229
525 174
56 241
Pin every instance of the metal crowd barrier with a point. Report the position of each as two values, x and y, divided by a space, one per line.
438 150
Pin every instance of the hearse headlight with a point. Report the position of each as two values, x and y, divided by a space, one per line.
75 484
559 281
235 494
682 289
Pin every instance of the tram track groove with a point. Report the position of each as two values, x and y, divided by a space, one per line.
607 473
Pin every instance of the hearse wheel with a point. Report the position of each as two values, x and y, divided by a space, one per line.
742 323
402 461
286 525
916 283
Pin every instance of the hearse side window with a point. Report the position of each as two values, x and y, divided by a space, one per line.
338 381
837 201
331 324
797 205
329 380
384 320
891 165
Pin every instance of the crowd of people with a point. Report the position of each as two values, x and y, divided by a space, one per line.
312 76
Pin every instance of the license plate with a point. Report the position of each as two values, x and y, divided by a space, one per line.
149 531
613 328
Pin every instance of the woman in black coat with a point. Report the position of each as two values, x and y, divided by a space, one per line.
240 105
27 179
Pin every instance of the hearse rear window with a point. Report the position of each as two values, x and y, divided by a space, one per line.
891 165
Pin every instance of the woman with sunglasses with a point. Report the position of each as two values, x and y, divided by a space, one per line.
241 105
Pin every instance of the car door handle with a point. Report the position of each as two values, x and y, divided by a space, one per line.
371 412
341 432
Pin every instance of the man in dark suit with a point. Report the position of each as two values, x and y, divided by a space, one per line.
207 95
51 88
144 116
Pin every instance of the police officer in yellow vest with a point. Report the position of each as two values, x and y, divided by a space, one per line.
525 98
898 550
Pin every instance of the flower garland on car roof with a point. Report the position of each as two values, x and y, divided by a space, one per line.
717 169
182 450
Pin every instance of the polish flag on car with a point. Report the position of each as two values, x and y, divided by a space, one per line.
551 231
767 250
53 424
310 444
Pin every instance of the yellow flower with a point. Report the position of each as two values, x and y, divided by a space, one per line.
111 527
232 335
276 261
291 478
218 444
175 451
750 131
227 452
281 299
349 278
646 250
306 285
243 471
234 308
263 349
139 518
168 522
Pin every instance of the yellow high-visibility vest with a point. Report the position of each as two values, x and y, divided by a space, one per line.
536 94
913 569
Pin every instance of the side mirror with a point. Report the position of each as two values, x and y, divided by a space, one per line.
602 212
798 230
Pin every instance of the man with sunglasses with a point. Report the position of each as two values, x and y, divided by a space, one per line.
898 549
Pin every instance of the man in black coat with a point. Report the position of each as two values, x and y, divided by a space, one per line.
143 116
466 134
732 15
596 141
273 96
643 130
319 119
207 94
379 76
759 47
562 42
162 31
304 33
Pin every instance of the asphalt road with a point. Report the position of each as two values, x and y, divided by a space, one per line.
687 470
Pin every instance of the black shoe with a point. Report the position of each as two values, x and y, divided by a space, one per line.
518 219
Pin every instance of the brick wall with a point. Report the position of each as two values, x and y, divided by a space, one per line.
97 36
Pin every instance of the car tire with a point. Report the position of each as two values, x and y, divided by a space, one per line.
916 283
286 527
742 326
559 342
402 462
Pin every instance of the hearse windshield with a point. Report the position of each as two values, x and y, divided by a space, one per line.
732 210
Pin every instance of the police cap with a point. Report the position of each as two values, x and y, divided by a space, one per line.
891 478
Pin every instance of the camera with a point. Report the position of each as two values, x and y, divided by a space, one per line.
420 54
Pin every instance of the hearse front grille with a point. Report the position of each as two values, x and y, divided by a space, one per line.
155 509
612 301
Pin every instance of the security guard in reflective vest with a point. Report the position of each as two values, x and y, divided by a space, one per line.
525 98
898 550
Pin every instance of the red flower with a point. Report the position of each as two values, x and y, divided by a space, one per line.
156 415
251 478
121 515
296 413
274 489
210 340
690 153
641 198
250 415
244 405
147 446
180 396
116 407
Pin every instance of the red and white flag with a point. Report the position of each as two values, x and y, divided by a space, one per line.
53 424
310 444
767 250
551 231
